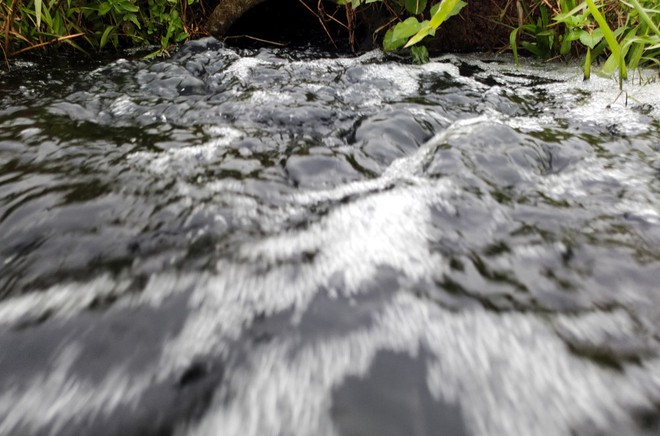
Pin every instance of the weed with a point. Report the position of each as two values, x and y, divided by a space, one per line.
625 33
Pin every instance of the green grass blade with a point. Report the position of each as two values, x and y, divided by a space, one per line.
645 17
587 64
614 46
106 34
37 10
513 41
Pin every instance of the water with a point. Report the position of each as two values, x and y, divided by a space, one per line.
273 242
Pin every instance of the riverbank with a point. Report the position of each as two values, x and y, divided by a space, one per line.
626 36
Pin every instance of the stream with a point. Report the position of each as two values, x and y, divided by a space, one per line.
285 242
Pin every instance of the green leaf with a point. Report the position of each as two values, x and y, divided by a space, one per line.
47 18
134 19
587 64
415 7
104 8
434 9
567 15
390 43
128 6
423 33
565 45
614 46
575 34
645 17
513 41
407 28
533 48
446 9
181 37
106 34
613 62
635 53
37 10
591 39
419 54
456 9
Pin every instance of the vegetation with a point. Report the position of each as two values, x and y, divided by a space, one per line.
411 32
95 24
623 32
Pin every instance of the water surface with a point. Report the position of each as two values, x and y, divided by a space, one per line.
278 242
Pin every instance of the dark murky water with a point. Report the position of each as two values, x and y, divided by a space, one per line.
278 243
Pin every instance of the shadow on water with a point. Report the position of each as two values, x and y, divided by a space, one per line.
393 399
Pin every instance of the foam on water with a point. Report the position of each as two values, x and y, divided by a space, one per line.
59 300
494 366
472 235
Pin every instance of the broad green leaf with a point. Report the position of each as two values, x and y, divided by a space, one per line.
390 43
574 35
104 8
128 6
407 28
447 9
456 10
591 39
134 19
419 54
423 33
435 8
181 37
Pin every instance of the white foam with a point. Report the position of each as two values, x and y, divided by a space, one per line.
58 398
60 300
510 374
188 157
